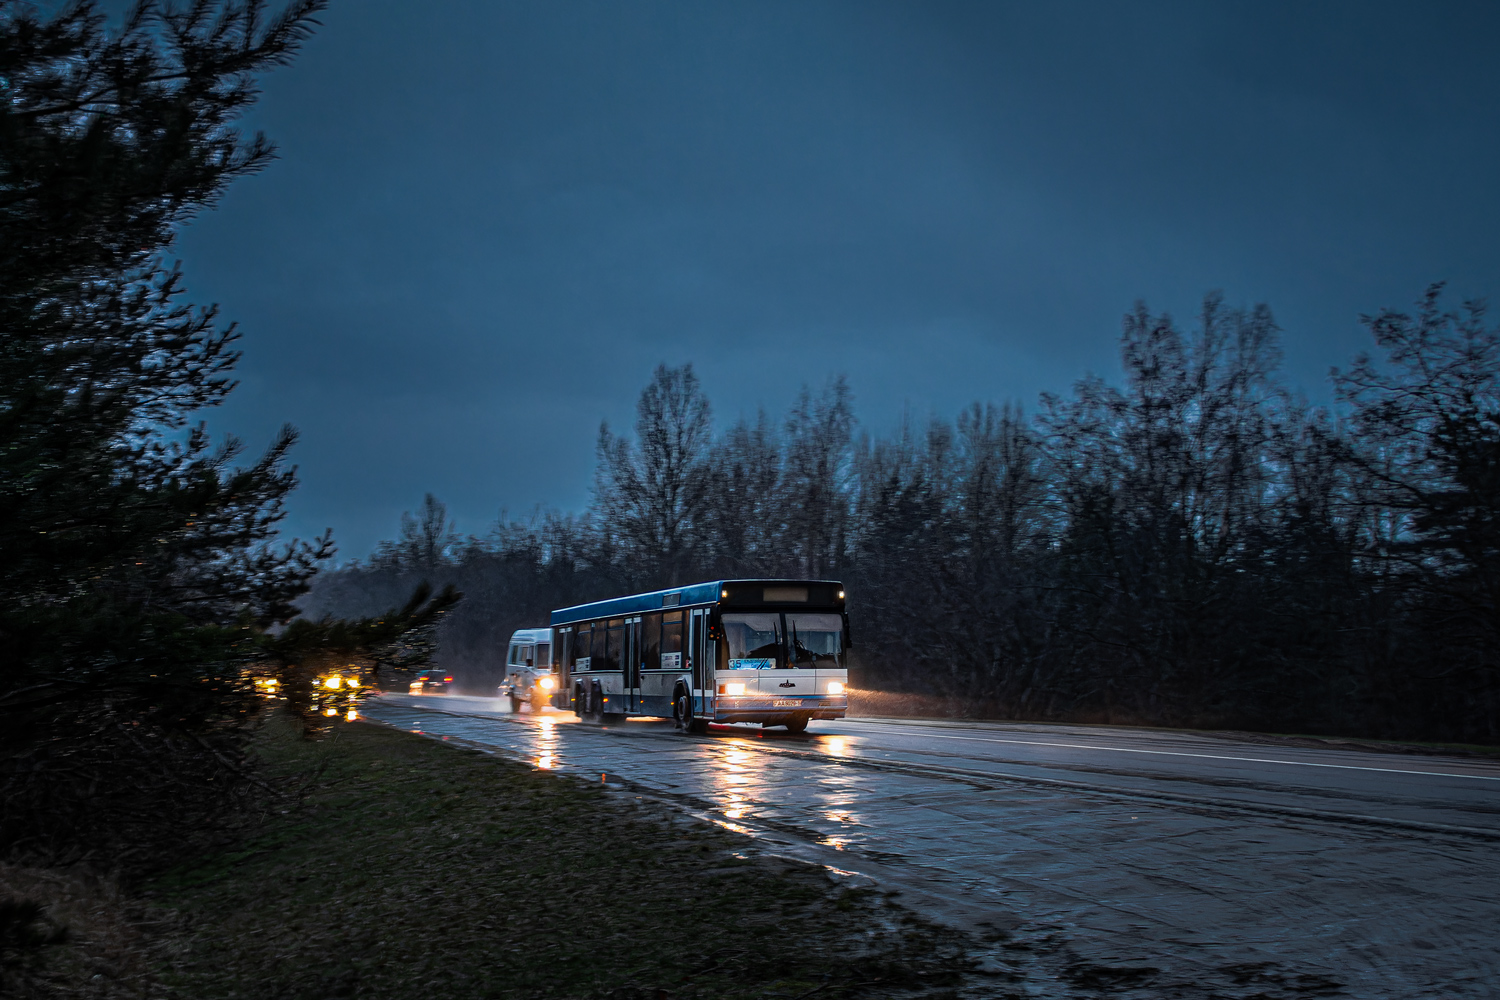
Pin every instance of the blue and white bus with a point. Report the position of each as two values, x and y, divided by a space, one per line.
766 651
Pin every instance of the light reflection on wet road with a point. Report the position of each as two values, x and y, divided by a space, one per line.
1233 867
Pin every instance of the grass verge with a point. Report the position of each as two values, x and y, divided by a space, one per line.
413 869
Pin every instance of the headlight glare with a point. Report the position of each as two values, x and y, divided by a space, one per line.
835 687
734 689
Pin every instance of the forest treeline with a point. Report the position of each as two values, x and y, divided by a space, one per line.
1197 546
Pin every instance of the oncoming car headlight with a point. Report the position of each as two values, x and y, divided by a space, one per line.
546 683
835 687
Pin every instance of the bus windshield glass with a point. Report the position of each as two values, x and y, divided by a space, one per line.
754 641
816 640
770 639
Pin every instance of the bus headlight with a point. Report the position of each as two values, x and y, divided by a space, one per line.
546 684
835 687
734 689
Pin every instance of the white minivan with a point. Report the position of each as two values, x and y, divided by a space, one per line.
529 676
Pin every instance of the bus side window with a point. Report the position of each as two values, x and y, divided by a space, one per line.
527 654
671 633
614 640
512 657
544 654
651 641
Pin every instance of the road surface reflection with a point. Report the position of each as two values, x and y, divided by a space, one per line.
1184 857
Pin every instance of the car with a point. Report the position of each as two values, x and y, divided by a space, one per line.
431 681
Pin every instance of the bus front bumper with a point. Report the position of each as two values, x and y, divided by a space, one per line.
750 708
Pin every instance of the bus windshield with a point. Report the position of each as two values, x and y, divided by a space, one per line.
816 639
769 639
754 641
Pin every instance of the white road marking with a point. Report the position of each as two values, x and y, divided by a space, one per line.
1205 756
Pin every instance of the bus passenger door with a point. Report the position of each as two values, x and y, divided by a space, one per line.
702 671
631 661
562 656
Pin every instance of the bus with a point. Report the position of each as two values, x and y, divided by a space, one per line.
767 651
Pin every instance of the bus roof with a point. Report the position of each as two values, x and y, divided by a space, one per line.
694 594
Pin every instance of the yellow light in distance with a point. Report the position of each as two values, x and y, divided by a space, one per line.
330 711
352 682
331 683
351 716
734 689
835 687
546 683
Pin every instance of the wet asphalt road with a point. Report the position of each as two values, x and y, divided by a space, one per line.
1097 860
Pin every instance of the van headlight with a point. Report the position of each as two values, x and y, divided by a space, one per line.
835 687
735 688
546 684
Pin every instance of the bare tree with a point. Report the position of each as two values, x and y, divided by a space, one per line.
428 539
745 510
651 493
817 478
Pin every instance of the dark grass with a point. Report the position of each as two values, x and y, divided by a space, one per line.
414 869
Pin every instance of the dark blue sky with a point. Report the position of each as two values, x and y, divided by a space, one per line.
491 220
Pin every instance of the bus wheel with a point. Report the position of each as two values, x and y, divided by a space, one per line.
515 705
797 724
682 712
590 703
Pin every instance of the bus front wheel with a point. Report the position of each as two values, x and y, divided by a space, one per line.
797 724
682 715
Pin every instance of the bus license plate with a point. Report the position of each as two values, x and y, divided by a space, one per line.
785 704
